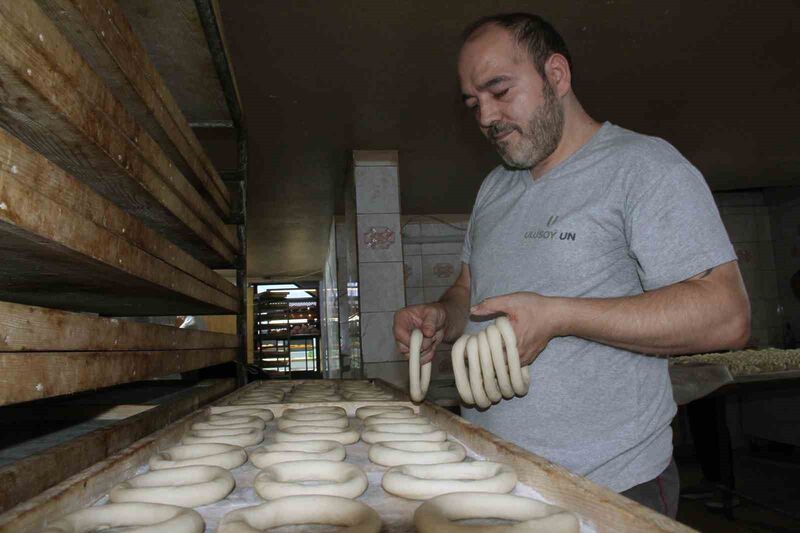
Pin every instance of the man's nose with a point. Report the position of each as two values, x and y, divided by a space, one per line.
488 114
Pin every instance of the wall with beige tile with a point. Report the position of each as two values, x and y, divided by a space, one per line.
784 211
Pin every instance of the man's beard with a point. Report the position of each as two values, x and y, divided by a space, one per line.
538 140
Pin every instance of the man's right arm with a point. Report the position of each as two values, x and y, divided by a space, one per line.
442 320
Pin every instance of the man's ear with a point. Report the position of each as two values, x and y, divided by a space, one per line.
558 73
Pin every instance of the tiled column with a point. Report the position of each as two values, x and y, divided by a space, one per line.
380 262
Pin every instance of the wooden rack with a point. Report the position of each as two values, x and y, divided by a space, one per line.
109 206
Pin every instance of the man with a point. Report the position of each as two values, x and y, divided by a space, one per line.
605 250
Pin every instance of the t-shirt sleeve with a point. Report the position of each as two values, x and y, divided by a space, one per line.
673 227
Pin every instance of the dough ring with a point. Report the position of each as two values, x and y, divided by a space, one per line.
312 417
282 452
222 455
423 482
437 515
236 437
338 422
231 422
418 385
416 453
342 436
352 515
218 412
152 517
383 420
319 410
336 478
187 486
402 428
371 436
370 410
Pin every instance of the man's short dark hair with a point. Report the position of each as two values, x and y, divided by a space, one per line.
531 32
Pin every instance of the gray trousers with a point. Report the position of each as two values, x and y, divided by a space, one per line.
660 494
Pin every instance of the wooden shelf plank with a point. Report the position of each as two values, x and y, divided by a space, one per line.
30 476
105 39
26 376
53 100
55 256
24 328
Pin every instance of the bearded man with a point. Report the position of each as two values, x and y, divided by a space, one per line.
605 250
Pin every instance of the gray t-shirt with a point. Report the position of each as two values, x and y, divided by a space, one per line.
626 213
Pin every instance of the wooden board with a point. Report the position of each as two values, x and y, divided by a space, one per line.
173 36
26 376
99 30
25 328
53 100
28 477
54 256
36 172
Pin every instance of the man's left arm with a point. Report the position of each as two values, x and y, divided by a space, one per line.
707 312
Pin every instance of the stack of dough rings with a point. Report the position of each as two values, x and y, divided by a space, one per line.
148 516
419 378
494 373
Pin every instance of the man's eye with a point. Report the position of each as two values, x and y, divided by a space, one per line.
500 94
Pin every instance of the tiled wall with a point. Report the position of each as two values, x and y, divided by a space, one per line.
784 208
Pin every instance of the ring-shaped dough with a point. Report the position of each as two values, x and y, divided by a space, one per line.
416 453
342 436
187 486
352 515
239 437
438 514
402 428
475 376
368 397
499 359
222 455
370 410
418 385
339 422
218 412
152 517
309 450
518 381
322 412
232 422
460 369
423 482
372 437
487 368
383 420
285 479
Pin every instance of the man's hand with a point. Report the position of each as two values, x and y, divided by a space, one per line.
429 318
534 318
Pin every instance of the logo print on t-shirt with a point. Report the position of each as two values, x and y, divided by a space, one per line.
550 234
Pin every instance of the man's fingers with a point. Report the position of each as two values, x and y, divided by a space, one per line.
490 306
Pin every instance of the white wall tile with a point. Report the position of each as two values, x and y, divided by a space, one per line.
411 230
412 249
413 271
415 295
379 238
432 294
440 270
381 286
439 229
442 248
377 338
377 190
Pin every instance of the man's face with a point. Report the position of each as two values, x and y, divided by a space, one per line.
515 108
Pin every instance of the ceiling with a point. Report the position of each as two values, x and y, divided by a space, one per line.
718 79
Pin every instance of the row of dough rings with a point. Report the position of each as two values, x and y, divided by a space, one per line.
152 517
248 395
352 515
416 453
402 428
186 486
224 411
285 479
340 423
490 377
240 437
342 436
439 514
231 422
367 397
298 412
370 410
381 419
222 455
372 437
418 385
422 482
313 417
283 452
